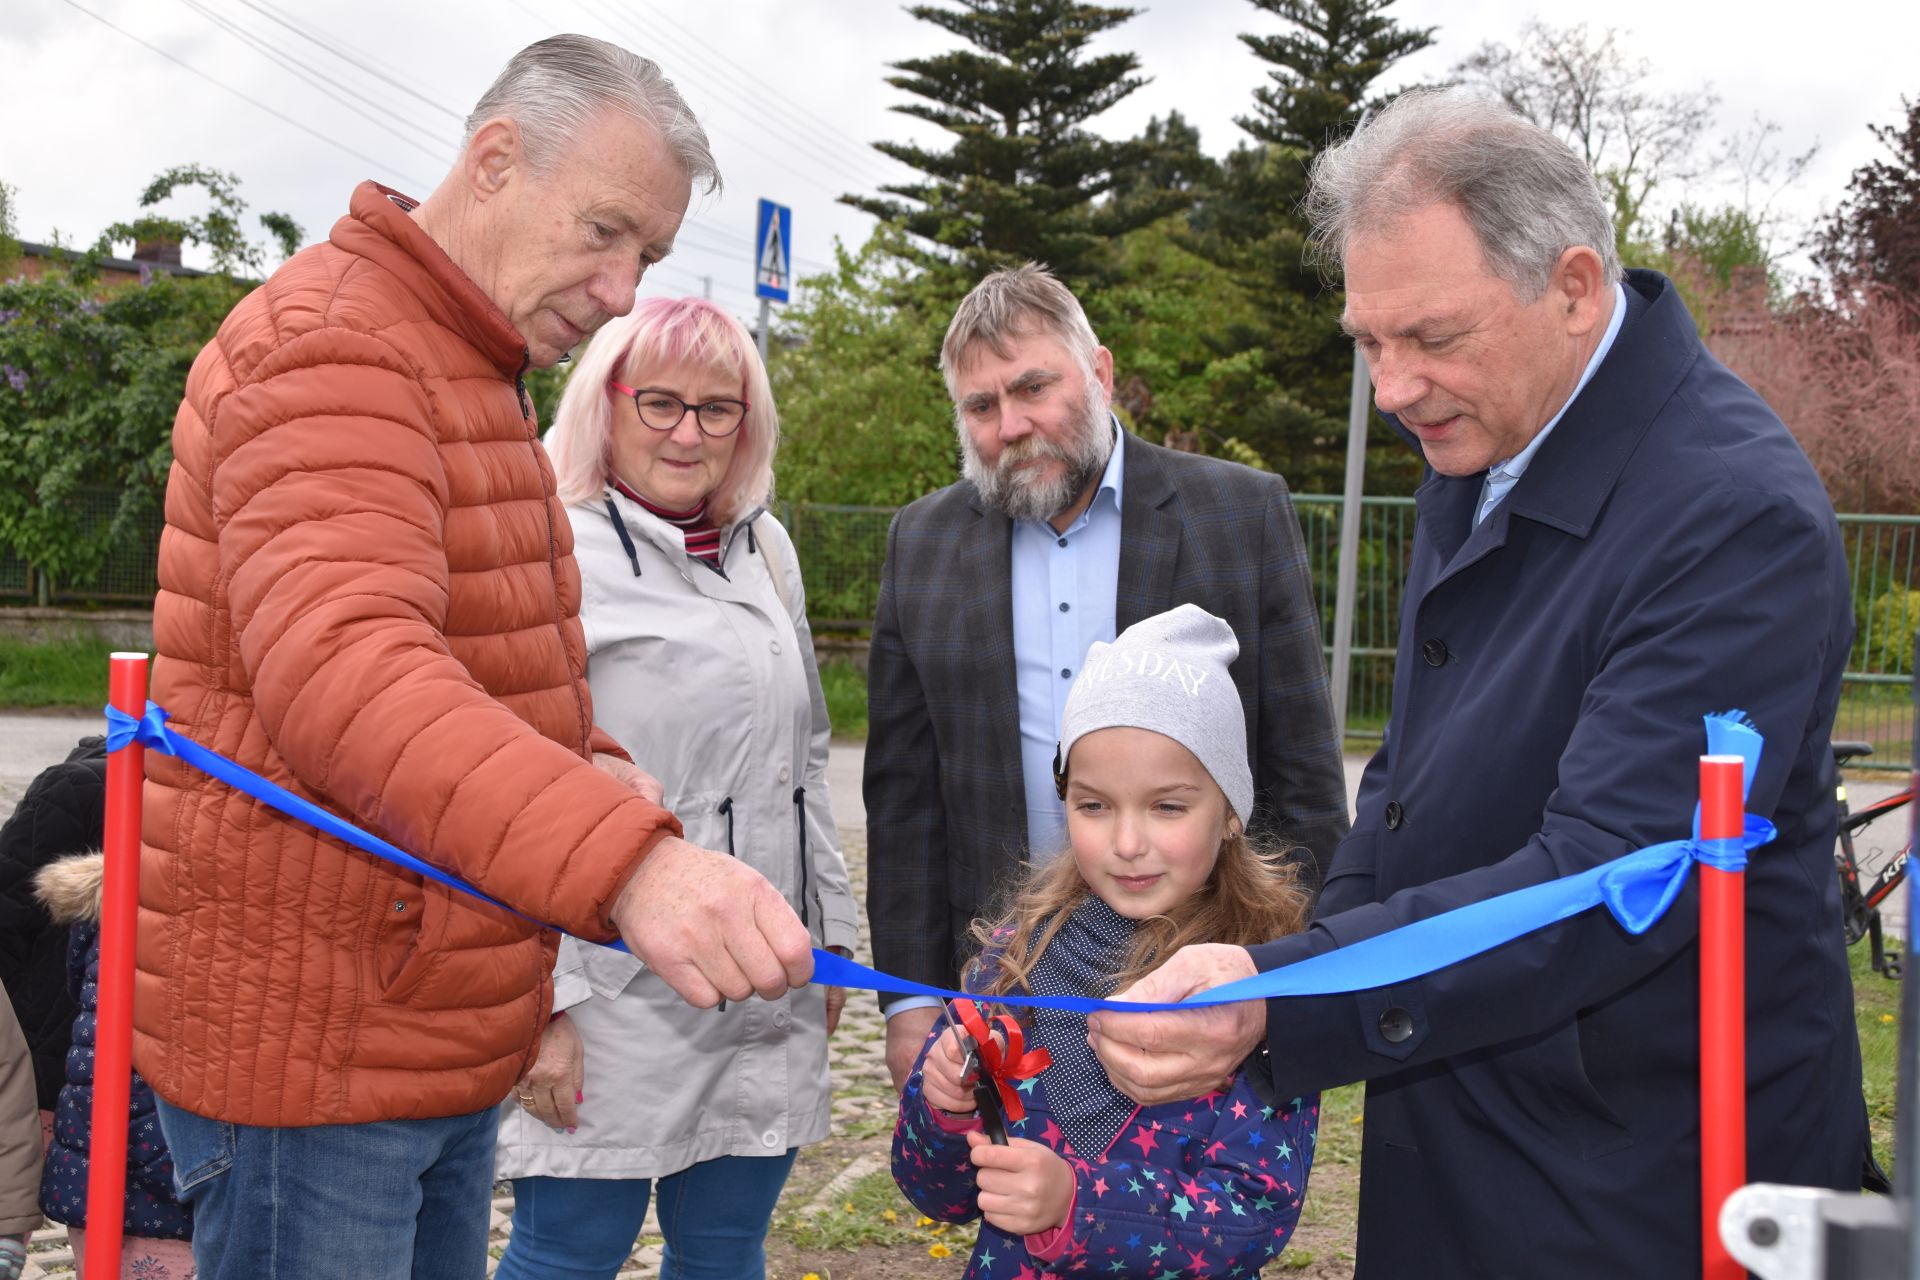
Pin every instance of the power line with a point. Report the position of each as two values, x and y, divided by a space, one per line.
628 34
691 235
348 54
251 101
864 150
722 82
436 146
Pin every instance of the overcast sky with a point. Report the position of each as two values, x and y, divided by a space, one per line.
791 92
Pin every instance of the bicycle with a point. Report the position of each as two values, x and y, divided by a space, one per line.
1864 888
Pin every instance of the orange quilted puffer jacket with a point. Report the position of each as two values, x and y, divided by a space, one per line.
368 595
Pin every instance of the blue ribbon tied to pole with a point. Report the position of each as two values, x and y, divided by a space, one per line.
1636 889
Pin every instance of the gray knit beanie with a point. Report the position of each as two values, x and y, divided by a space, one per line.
1167 673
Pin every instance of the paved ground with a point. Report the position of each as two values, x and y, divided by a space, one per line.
863 1102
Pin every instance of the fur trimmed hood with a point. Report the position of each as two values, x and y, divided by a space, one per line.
72 888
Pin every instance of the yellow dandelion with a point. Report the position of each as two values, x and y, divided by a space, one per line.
848 1206
1359 1119
811 1275
890 1216
942 1228
924 1222
1886 1019
939 1251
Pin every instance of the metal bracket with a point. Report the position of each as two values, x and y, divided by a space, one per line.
1810 1233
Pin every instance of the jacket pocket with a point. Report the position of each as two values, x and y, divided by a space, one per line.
415 918
1583 1120
608 972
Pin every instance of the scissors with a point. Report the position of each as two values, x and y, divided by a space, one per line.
986 1097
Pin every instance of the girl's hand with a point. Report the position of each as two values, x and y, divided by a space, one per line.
940 1077
1025 1189
551 1090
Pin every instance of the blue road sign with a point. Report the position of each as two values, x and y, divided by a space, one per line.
773 253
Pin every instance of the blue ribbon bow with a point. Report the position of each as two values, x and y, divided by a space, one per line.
1636 888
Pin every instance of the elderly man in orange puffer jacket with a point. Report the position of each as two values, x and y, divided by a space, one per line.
368 594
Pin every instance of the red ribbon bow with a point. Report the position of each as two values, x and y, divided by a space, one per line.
1006 1063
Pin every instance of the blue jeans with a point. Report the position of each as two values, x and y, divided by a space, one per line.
391 1200
714 1217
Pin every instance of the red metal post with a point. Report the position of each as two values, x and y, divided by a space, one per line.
113 1029
1723 1005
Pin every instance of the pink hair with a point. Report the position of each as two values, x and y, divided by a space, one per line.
659 332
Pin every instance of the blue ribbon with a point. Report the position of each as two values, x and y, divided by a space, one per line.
1636 888
150 730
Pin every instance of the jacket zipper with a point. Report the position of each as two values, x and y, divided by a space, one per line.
520 385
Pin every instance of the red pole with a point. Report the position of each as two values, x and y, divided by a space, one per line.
1723 1003
113 1025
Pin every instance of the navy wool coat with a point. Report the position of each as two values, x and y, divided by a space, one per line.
1534 1111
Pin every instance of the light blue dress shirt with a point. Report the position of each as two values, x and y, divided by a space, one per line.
1503 476
1063 600
1064 589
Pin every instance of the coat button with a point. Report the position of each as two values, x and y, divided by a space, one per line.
1396 1025
1435 652
398 905
771 1137
774 645
783 773
1395 815
780 1018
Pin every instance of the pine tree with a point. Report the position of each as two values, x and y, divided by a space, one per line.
1290 398
1322 71
1024 177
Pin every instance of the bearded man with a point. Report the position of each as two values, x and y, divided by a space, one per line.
1064 530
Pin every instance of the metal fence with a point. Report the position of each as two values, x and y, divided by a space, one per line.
1386 540
1876 700
842 548
126 576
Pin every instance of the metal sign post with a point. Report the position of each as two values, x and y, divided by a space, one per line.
1346 585
773 263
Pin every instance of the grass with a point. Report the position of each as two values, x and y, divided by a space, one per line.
73 673
61 673
846 688
1876 1008
874 1213
1882 715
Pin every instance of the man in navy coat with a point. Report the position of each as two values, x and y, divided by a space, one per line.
1616 537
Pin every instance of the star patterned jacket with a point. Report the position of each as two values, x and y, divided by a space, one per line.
71 889
1209 1186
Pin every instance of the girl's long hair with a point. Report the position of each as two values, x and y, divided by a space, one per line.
1253 896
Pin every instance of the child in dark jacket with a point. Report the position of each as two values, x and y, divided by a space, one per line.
62 814
1153 769
157 1226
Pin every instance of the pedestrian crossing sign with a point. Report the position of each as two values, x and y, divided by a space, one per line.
773 252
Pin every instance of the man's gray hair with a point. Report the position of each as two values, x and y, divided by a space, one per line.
553 87
1526 194
1018 302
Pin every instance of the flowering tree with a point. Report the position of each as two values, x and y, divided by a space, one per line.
1848 384
90 378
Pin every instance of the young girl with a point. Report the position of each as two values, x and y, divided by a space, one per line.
1153 770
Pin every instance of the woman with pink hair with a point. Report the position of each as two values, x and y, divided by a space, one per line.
701 665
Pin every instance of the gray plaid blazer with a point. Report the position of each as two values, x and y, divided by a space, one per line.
946 811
